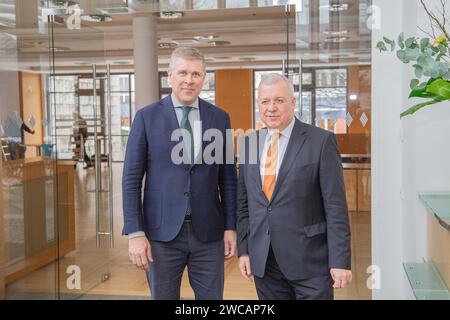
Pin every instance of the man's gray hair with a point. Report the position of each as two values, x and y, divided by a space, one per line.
186 53
273 78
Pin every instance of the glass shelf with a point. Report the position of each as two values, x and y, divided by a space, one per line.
439 205
426 282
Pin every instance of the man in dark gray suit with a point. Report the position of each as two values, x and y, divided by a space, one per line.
293 228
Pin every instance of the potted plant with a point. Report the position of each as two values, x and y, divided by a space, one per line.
430 58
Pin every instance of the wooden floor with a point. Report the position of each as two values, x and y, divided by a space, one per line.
127 281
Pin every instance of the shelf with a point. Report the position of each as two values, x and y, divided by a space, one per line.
426 281
439 205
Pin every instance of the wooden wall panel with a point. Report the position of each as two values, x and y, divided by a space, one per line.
31 103
234 94
439 247
359 84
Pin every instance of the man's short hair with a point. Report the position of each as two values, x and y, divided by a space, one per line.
273 78
186 53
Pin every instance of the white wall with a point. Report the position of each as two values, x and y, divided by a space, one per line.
409 155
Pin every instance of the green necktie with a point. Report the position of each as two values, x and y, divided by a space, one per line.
185 124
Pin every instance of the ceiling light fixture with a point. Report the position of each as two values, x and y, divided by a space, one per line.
185 41
336 39
96 17
169 14
337 7
167 45
335 33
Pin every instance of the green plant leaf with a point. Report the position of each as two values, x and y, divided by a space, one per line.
402 55
417 107
387 40
424 44
441 88
381 46
421 92
411 43
401 40
447 76
418 71
414 83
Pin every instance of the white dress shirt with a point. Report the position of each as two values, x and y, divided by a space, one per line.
283 141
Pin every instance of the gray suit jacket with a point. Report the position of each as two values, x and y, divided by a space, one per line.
306 221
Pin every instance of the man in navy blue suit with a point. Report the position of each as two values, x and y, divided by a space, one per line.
187 217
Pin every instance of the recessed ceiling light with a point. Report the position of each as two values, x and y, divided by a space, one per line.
336 39
185 41
59 49
83 63
167 45
335 33
247 59
336 7
96 17
207 37
169 14
218 43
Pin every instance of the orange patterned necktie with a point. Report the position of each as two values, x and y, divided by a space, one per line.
270 167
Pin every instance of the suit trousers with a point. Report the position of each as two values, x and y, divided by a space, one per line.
275 286
204 262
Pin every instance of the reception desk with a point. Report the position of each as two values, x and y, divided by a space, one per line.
38 213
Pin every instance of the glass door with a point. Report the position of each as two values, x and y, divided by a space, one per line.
35 201
79 108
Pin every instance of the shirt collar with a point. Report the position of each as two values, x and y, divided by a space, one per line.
286 132
178 104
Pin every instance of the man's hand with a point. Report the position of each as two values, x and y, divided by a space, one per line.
244 266
229 239
140 252
341 277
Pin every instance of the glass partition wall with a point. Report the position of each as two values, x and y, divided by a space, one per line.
68 105
69 96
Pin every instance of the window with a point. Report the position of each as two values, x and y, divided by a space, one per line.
324 98
69 93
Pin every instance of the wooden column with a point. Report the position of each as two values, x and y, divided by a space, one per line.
234 94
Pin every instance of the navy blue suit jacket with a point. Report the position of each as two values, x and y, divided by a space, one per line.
168 186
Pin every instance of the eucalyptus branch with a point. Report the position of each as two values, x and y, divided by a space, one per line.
427 33
435 19
443 12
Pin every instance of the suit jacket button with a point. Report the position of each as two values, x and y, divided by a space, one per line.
269 209
267 232
186 194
